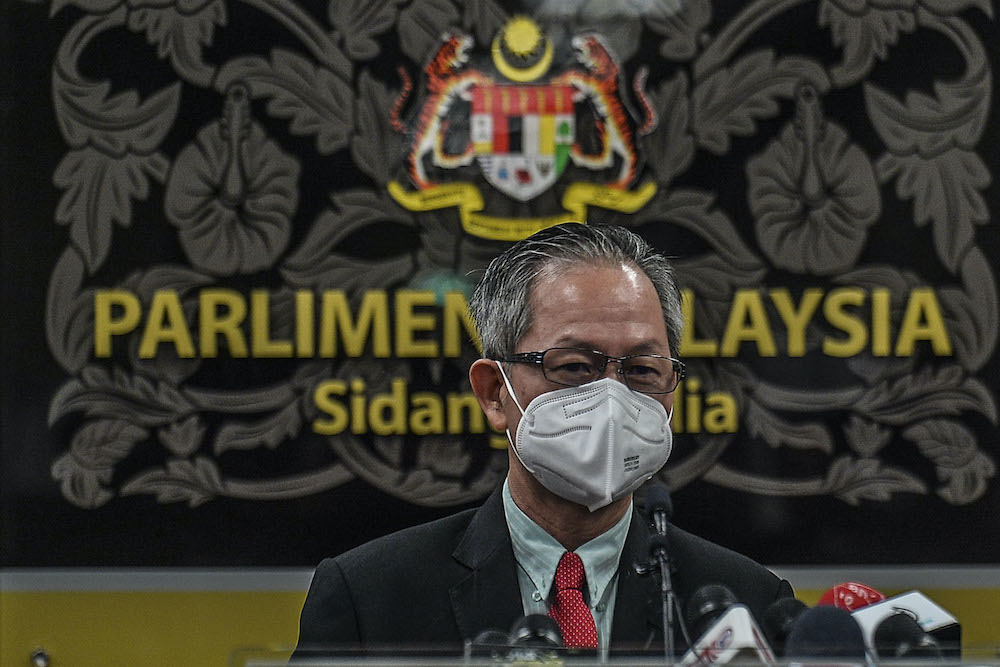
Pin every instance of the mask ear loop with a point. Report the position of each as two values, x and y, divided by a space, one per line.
510 390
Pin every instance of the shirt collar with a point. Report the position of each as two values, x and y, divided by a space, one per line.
538 553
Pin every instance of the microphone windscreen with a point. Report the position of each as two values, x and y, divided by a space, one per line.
705 605
658 499
537 631
490 644
900 636
778 620
825 632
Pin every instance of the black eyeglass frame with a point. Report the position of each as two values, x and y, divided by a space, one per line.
536 358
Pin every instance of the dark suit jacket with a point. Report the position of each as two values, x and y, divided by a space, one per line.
440 583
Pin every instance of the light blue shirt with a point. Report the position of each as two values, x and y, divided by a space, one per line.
537 554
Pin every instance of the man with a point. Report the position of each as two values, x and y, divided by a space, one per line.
579 325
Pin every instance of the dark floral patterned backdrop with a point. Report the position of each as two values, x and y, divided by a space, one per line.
238 238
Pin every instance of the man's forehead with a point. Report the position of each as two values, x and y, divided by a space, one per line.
588 304
558 272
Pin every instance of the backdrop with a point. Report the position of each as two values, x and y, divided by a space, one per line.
238 240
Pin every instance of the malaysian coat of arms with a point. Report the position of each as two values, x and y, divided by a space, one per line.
320 202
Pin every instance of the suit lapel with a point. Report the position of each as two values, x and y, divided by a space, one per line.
489 597
635 618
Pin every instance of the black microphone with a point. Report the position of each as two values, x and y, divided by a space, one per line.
706 605
536 631
826 632
660 508
532 638
778 619
492 644
931 617
726 630
900 636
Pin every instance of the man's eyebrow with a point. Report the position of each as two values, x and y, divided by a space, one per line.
642 347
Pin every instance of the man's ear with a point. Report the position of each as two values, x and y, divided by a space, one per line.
487 384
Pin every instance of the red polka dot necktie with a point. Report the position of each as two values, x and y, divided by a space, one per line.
568 609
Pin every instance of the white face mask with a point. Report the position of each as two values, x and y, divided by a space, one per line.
592 444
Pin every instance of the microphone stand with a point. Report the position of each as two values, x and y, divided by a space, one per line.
667 598
660 508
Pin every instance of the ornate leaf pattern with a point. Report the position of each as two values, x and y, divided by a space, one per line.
181 480
315 263
96 393
69 313
183 438
270 431
762 423
316 100
963 468
375 147
972 314
180 34
680 23
854 480
730 101
865 437
99 192
947 391
89 115
358 22
484 18
945 190
865 30
931 156
670 147
421 25
87 468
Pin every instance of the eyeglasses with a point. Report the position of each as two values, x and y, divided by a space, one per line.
570 366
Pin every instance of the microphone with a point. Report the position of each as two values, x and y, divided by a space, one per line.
536 631
826 632
660 508
931 617
730 634
492 644
779 617
900 636
850 595
706 605
532 638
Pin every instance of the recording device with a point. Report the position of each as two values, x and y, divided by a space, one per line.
778 620
730 633
931 617
825 632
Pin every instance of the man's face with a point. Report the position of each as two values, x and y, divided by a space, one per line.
614 310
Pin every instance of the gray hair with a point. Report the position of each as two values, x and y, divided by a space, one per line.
501 304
